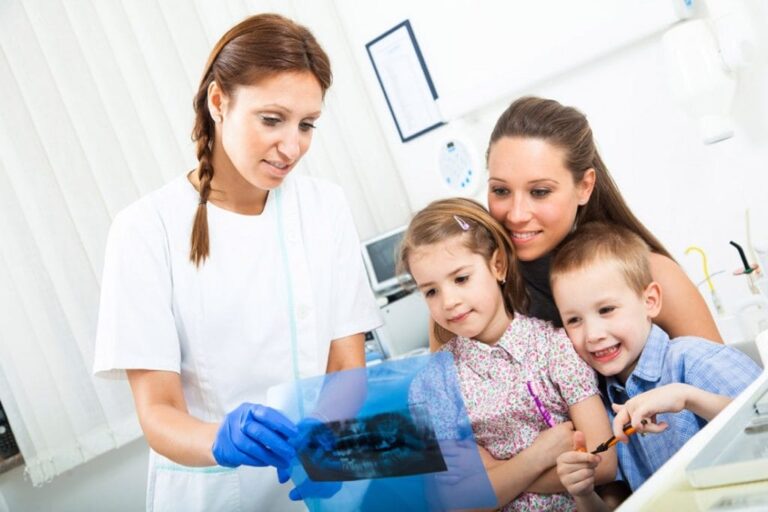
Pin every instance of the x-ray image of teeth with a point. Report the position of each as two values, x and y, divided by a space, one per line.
398 443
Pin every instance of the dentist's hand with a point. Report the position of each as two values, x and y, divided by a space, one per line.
254 435
308 488
314 441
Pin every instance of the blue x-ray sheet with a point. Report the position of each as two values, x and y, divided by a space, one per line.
394 436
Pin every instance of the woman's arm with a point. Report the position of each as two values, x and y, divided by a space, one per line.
343 392
167 425
684 311
346 353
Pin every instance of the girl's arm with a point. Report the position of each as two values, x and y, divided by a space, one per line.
588 416
514 476
170 430
684 311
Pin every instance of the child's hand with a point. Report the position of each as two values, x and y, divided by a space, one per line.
645 406
555 441
576 469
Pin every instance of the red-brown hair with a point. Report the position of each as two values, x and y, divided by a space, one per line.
255 49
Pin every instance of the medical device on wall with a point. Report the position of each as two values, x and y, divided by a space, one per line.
716 302
405 314
703 57
753 310
459 168
380 258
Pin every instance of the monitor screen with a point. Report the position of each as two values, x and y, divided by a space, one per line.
380 256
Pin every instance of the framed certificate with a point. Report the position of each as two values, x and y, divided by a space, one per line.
404 79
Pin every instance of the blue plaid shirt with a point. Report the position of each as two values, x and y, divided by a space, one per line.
707 365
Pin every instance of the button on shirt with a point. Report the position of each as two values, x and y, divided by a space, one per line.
689 360
493 381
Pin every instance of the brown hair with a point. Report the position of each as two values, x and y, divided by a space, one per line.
437 222
567 128
255 49
600 242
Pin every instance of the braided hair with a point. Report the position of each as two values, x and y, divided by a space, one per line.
257 48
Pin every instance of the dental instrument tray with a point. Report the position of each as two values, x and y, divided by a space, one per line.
739 451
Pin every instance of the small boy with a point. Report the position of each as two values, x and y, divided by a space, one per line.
602 285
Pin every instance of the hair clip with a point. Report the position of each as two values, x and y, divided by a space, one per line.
462 223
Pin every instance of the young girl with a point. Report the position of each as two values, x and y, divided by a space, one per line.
520 378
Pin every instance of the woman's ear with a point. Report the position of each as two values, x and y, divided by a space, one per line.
652 299
499 266
586 186
216 101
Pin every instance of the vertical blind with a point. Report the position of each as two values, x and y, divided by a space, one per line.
95 111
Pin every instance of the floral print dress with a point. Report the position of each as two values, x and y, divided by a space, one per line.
494 384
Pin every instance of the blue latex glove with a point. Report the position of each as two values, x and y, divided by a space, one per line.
308 488
313 439
255 435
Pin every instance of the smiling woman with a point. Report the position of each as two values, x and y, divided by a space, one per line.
233 278
546 177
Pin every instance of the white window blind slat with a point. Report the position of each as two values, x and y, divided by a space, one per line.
93 134
38 108
165 68
114 97
189 39
155 122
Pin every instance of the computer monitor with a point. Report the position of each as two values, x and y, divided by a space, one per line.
380 257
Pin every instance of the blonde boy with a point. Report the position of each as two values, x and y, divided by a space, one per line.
608 299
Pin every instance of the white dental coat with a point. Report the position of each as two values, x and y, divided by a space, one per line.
292 273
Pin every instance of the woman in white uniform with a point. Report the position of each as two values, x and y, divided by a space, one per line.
233 278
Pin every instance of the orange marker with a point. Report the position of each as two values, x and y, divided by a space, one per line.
628 430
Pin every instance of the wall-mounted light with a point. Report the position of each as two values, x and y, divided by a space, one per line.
703 57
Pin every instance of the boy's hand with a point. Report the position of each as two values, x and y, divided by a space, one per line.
645 406
555 441
576 469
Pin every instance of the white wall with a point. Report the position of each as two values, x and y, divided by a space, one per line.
115 481
686 192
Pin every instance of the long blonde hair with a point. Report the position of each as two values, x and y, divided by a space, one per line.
256 48
483 235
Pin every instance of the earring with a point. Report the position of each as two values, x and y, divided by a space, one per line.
218 118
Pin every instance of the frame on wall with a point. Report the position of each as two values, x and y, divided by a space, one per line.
405 81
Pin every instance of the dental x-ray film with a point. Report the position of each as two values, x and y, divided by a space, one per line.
393 436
